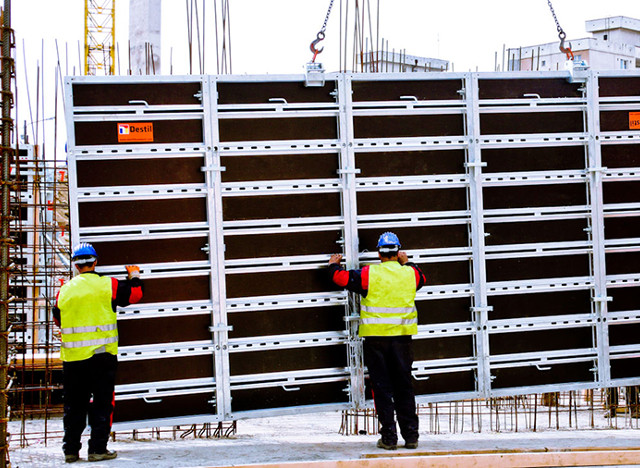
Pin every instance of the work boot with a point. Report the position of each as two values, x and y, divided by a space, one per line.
387 446
411 444
71 457
108 455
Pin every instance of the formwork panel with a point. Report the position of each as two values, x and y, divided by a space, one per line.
281 206
623 227
274 91
394 90
440 311
176 289
98 133
528 268
547 158
617 156
624 368
530 376
279 282
401 163
619 86
534 196
517 88
126 252
286 396
619 263
411 201
549 304
617 121
282 244
627 334
407 126
139 171
527 123
442 348
166 407
498 186
449 382
623 298
165 369
121 94
536 232
255 323
621 191
279 167
173 329
419 237
286 360
265 129
135 212
539 341
442 273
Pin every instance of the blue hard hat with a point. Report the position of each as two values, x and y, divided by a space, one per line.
388 242
84 253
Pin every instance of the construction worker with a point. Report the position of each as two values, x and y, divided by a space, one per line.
86 314
388 318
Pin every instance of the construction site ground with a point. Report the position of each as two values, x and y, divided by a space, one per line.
315 441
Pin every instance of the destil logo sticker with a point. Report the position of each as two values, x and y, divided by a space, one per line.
138 132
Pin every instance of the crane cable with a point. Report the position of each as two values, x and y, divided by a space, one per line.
320 35
561 34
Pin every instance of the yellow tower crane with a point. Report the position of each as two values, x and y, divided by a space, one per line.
99 36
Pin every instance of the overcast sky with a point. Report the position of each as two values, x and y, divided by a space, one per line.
273 36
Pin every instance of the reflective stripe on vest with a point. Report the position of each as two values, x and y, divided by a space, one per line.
98 342
93 328
389 307
392 321
88 323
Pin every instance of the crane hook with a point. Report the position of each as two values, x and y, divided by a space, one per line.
315 51
567 50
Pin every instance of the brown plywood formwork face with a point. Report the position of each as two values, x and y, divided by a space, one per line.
157 171
395 164
279 167
394 90
518 88
124 213
121 94
164 131
523 216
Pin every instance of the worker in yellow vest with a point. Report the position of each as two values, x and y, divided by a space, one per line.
388 318
85 311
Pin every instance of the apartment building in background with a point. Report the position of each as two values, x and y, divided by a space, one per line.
614 45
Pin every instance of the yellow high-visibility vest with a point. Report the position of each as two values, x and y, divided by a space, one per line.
389 308
87 321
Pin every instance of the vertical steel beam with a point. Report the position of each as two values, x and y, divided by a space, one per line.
480 308
595 173
7 153
219 325
347 171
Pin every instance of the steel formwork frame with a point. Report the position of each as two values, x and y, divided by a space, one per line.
546 212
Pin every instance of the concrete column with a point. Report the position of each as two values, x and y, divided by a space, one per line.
144 36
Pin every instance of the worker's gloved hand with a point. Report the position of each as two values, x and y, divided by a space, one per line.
335 258
402 258
133 271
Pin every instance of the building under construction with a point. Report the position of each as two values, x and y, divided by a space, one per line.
515 192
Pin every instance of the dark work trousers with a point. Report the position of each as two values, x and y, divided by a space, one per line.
389 360
88 390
